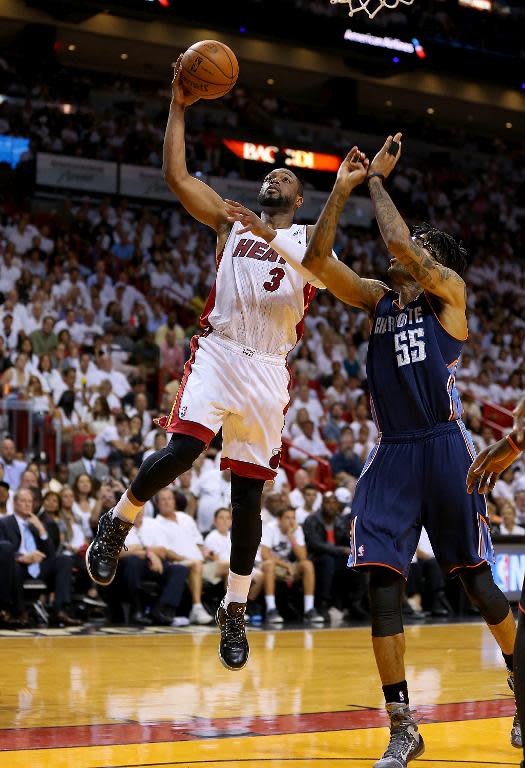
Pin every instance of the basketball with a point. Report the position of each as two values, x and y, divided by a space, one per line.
209 69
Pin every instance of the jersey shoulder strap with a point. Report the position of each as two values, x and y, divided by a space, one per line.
384 305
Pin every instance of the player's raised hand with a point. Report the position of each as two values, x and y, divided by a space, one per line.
489 465
385 161
519 419
179 95
352 170
249 221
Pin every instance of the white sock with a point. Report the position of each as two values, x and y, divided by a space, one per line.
196 605
270 603
308 603
125 510
238 588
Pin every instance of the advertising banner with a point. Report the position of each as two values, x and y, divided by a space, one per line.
76 173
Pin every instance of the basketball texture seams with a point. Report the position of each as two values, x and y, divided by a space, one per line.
209 69
218 60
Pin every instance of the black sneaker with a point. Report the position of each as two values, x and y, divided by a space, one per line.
406 743
102 554
515 732
233 647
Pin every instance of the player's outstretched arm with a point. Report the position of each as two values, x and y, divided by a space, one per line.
342 281
198 198
428 272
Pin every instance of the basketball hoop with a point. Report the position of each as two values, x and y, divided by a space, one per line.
371 7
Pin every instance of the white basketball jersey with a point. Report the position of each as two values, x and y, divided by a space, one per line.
258 300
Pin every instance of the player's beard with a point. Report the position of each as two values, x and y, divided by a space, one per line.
275 201
398 276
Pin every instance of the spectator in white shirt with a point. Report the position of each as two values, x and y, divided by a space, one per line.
284 557
13 468
89 328
104 389
35 317
361 417
296 497
22 235
9 271
120 383
312 502
309 442
509 527
218 540
306 398
114 442
213 490
184 544
144 557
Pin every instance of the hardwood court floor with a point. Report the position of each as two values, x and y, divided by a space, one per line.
307 699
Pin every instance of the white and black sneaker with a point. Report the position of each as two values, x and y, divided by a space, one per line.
103 552
273 617
406 743
233 647
515 731
312 617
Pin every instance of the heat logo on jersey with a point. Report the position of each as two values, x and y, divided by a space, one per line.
254 249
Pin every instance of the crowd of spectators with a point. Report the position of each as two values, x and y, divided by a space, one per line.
98 302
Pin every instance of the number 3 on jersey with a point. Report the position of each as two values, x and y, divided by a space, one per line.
410 346
277 275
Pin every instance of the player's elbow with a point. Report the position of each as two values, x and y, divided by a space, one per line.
173 179
398 247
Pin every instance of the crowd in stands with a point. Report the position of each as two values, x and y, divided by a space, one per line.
98 301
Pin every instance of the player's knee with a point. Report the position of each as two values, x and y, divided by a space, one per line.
162 467
485 595
386 597
182 451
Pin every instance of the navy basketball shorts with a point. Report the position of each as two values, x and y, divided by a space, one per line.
414 480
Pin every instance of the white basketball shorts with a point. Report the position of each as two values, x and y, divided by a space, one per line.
243 391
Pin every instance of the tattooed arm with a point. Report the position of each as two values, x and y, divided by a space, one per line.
417 260
342 281
429 273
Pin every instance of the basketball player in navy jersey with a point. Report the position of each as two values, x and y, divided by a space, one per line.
483 474
416 473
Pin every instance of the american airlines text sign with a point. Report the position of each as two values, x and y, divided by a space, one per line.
390 43
296 158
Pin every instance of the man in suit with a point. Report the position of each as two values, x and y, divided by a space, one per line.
88 465
326 533
35 558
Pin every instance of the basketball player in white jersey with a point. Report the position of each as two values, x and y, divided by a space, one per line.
236 377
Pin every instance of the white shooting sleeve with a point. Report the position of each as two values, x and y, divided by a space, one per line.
293 253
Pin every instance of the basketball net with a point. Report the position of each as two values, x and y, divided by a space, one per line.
371 7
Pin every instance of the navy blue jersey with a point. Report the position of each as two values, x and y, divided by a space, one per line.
411 367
